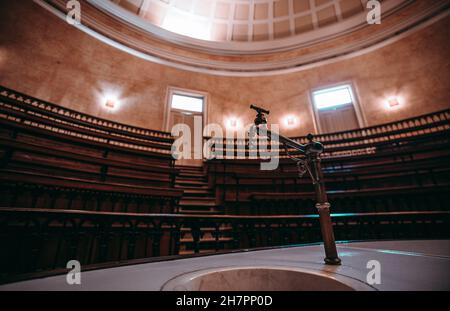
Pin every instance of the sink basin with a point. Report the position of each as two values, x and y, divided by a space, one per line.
263 279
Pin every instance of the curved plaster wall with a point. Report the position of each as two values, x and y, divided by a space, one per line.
49 59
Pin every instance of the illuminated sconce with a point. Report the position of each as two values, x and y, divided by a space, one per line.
393 102
232 123
109 97
110 104
290 121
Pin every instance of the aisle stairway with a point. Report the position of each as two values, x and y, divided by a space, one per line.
197 199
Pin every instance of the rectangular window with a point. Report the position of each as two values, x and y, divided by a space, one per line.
187 103
333 97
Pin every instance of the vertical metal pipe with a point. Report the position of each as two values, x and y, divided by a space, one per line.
312 150
323 207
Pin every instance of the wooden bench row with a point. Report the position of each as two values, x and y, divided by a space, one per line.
394 199
42 239
364 140
418 160
238 187
33 190
54 157
52 112
401 149
80 143
60 161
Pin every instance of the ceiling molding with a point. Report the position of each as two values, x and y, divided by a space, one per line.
239 48
170 58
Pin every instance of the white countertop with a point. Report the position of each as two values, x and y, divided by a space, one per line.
405 265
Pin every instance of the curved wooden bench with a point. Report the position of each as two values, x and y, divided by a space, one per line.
43 239
29 189
36 157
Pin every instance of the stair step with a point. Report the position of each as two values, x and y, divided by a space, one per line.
197 212
192 174
191 252
193 196
205 187
191 178
198 208
207 229
190 182
199 199
190 168
197 203
197 193
222 239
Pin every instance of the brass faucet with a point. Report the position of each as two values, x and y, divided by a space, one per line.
311 165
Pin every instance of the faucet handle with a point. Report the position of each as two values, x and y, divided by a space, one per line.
314 146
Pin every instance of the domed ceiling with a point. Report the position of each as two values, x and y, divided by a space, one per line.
249 37
243 20
245 26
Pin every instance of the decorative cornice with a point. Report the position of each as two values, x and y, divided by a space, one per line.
209 65
239 48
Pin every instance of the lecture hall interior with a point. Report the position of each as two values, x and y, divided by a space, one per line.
225 145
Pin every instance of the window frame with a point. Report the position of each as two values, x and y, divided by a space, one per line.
331 89
355 102
188 93
202 98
